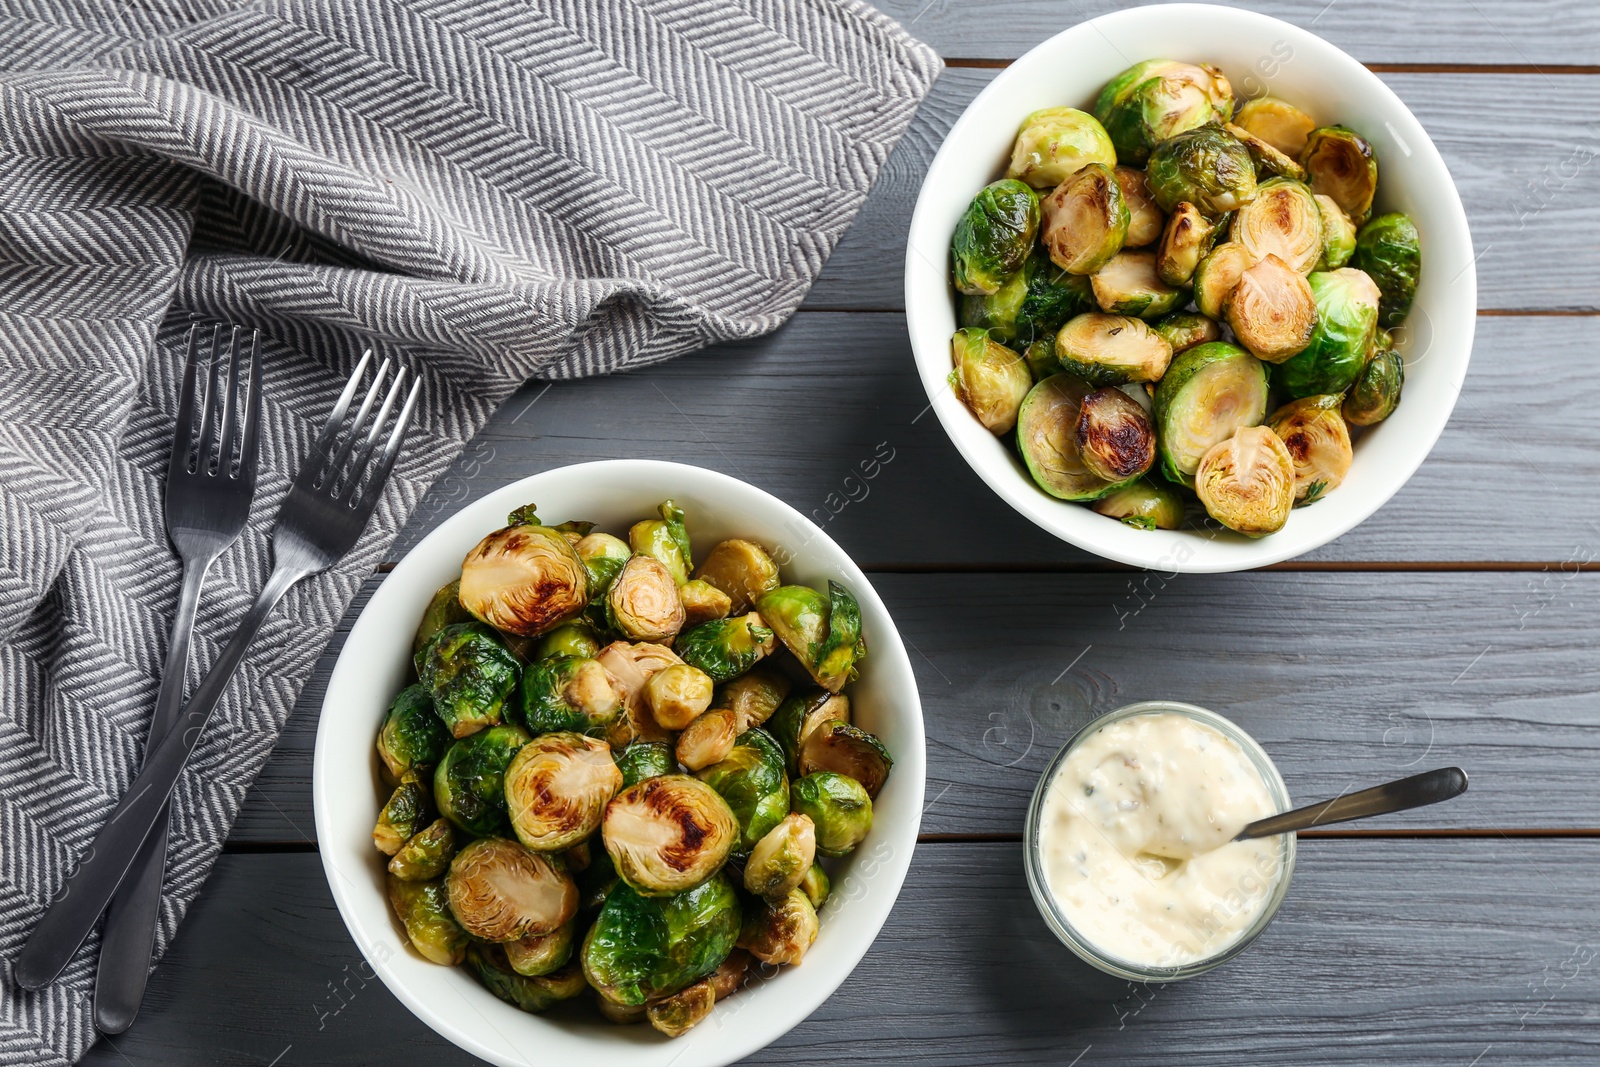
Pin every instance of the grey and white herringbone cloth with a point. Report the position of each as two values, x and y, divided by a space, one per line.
485 190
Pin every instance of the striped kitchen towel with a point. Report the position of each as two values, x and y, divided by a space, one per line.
484 190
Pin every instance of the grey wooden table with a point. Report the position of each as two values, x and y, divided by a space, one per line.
1459 625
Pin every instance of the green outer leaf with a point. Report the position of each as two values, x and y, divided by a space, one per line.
645 759
423 908
526 515
1339 344
752 780
427 854
469 673
411 733
1207 166
845 644
838 806
641 948
469 784
443 610
407 811
1389 249
723 648
799 616
1172 389
994 236
673 516
544 709
1376 391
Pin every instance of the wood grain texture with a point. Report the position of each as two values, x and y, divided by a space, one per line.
1347 679
1521 147
1395 952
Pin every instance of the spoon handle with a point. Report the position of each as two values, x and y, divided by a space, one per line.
1419 790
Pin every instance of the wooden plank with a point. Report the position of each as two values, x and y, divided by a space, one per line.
1347 679
1439 31
1521 148
1409 952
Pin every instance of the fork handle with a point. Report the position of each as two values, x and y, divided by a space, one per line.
130 931
79 904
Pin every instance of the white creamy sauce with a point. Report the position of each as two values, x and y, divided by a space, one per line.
1136 840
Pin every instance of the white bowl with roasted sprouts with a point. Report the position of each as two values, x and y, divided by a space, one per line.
1269 419
351 779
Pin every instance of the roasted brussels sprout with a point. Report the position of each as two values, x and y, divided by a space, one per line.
1376 391
817 886
1128 285
1207 167
630 666
743 570
802 713
708 739
753 697
603 556
1144 505
443 610
1314 433
1111 350
1055 143
490 965
1272 311
1041 357
726 648
989 378
1157 99
524 579
1389 250
751 779
1210 391
665 540
1247 482
1185 329
1338 234
641 948
824 635
849 750
668 833
677 694
540 954
1347 315
1037 299
682 1011
1114 437
469 674
780 931
730 974
781 859
469 784
423 908
1217 276
1085 220
557 787
1342 165
1047 436
569 693
501 891
569 639
1188 236
1284 221
645 759
643 601
1281 125
1270 163
994 236
427 854
837 805
411 734
1144 217
703 602
408 810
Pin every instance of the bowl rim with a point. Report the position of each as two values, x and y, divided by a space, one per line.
1185 551
888 871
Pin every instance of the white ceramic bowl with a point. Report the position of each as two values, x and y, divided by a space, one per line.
372 668
1260 55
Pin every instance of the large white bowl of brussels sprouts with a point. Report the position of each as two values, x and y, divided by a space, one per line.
623 742
1167 277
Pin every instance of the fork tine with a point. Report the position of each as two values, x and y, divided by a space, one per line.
319 447
385 462
208 417
227 436
336 466
252 413
350 492
184 435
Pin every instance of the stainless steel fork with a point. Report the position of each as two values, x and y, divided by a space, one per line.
211 480
327 508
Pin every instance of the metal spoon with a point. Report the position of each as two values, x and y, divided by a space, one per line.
1418 791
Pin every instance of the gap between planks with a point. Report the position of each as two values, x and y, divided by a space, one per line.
983 63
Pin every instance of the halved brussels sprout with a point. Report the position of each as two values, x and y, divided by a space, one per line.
989 378
645 759
1313 431
726 648
1270 163
837 805
1376 391
1247 482
1111 350
753 697
1272 311
411 734
1284 221
1281 125
569 693
629 666
780 931
469 674
1188 236
743 570
540 954
678 1014
469 784
677 694
1144 505
603 555
1128 285
1157 99
1085 220
751 779
1210 391
641 948
780 860
531 994
1217 276
817 886
1037 299
1389 249
665 540
1115 439
848 750
525 578
423 908
1338 234
427 854
408 810
703 602
1342 165
1347 316
1185 329
1055 143
643 601
557 787
569 639
668 833
824 635
503 891
1047 436
994 236
1144 217
1207 167
708 739
443 610
799 716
